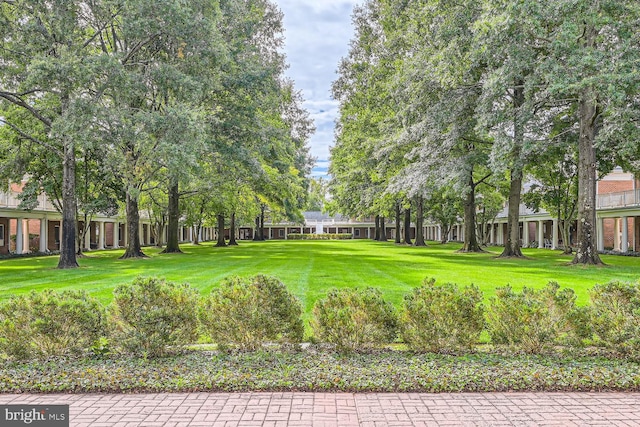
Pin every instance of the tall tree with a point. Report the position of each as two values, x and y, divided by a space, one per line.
593 60
53 70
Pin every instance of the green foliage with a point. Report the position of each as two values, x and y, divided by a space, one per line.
50 323
531 320
313 370
355 319
615 316
324 236
442 318
248 312
150 315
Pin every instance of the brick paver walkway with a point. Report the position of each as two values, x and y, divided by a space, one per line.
345 409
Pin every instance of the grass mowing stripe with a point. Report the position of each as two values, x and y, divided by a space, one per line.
311 268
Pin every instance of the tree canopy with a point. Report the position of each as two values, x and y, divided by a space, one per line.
165 96
438 96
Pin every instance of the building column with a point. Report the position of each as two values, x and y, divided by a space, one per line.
616 234
87 237
19 236
554 233
525 234
540 235
191 234
286 234
116 235
101 236
600 232
624 244
125 236
27 240
141 233
44 235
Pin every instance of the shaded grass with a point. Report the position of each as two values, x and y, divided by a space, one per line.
311 268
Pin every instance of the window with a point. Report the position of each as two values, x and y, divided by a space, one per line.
356 232
56 233
1 234
281 233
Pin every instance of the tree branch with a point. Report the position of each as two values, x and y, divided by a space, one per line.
482 180
16 100
100 30
23 134
137 47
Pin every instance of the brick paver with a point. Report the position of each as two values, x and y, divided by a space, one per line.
344 409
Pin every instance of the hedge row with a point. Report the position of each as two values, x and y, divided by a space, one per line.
323 236
150 317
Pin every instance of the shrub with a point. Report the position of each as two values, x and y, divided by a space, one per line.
355 319
532 319
442 318
615 316
247 312
150 315
50 323
323 236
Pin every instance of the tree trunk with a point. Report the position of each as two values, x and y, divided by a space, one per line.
407 226
80 233
196 238
68 241
262 223
566 237
512 247
419 223
256 231
133 229
470 239
221 242
398 233
158 234
173 246
444 229
383 230
377 232
586 251
232 230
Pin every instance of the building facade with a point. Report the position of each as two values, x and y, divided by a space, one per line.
39 230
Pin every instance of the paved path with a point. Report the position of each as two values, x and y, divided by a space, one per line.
345 409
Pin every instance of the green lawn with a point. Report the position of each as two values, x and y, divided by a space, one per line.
310 268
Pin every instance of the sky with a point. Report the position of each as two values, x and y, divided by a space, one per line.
317 35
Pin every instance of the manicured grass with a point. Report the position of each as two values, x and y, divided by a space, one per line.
311 268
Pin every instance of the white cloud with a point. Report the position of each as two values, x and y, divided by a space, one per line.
317 37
